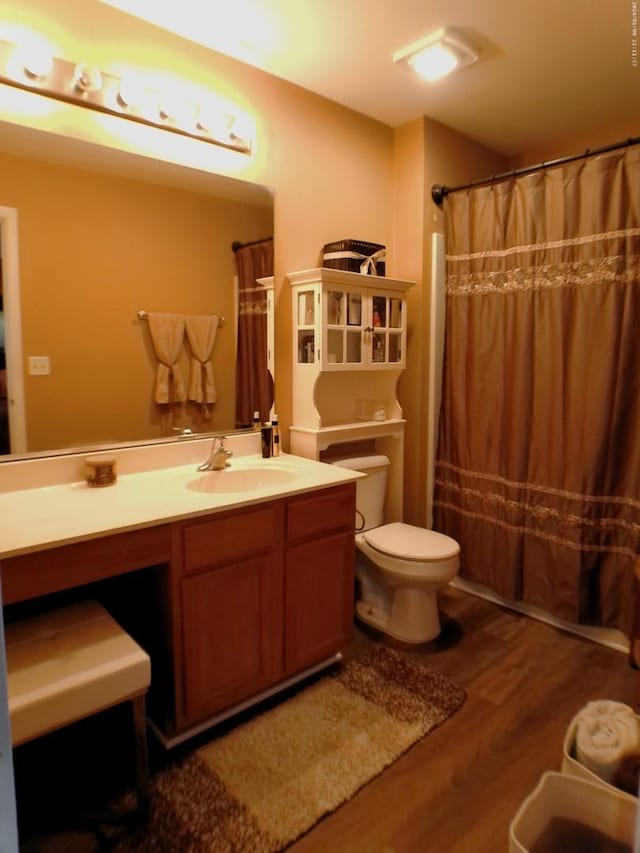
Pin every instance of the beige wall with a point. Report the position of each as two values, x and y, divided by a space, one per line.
331 168
426 153
94 249
577 144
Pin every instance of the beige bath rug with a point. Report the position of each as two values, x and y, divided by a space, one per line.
269 780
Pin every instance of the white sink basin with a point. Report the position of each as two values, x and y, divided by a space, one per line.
241 479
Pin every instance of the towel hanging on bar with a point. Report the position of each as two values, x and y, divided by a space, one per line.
167 336
201 332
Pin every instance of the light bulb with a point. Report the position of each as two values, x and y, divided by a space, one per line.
37 63
434 62
131 93
171 106
437 54
214 122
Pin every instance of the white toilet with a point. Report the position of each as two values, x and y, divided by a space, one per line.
400 567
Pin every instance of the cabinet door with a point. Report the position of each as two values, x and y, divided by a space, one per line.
344 317
386 331
304 322
232 618
362 329
319 599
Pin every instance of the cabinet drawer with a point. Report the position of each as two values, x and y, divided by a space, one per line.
333 509
231 537
52 570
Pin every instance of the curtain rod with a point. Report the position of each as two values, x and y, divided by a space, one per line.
236 245
439 191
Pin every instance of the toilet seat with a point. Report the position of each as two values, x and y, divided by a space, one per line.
408 542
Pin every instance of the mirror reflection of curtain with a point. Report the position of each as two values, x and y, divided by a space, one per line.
539 448
254 383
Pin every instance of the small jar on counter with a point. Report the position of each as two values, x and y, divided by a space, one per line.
100 471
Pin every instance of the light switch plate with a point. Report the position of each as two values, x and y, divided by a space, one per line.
39 365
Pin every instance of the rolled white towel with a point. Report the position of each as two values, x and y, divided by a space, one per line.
605 732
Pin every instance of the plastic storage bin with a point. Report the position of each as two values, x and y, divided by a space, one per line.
598 807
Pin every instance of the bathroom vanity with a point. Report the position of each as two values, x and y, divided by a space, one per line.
234 594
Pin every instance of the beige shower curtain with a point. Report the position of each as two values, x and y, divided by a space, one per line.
538 467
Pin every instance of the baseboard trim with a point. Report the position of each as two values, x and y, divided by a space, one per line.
170 742
604 636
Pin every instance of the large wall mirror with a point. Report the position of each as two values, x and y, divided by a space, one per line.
104 235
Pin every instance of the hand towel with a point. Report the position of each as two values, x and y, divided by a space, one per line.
201 332
605 732
167 336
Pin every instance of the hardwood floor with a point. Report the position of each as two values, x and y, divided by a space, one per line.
457 790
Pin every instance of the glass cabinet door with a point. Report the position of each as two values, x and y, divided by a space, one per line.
354 327
354 309
358 328
335 311
386 330
378 347
343 312
306 308
306 317
396 328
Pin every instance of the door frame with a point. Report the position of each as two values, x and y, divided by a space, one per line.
13 329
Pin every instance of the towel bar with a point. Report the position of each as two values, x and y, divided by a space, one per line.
144 315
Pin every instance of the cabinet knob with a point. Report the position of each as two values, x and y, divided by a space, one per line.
368 328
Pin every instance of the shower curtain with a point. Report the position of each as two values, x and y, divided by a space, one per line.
254 383
538 463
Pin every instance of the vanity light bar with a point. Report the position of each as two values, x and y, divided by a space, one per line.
88 86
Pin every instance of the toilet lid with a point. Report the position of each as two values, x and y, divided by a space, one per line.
411 543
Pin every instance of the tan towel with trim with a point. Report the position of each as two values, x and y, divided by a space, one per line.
167 336
201 332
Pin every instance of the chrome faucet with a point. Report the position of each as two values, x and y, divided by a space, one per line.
219 457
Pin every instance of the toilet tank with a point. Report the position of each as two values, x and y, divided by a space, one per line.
370 490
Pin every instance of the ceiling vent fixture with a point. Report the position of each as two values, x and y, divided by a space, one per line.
437 54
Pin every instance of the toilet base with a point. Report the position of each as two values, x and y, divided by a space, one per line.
412 616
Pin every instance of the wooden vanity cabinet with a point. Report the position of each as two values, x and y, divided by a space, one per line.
319 576
230 604
263 594
227 604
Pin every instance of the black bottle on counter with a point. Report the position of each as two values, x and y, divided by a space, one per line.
267 440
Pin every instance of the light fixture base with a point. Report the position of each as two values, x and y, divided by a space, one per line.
86 86
437 54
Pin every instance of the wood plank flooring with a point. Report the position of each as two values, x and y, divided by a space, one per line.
457 790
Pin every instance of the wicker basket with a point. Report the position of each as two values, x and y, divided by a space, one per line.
355 256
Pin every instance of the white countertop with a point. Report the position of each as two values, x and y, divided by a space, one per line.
34 519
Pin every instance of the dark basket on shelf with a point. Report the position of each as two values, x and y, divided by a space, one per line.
351 254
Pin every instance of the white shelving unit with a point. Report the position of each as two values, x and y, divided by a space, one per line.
349 344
